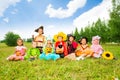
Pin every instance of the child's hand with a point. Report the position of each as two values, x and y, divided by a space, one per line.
18 53
23 52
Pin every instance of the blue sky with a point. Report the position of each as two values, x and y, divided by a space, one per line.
23 16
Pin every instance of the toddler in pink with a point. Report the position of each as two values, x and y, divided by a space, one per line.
96 47
19 51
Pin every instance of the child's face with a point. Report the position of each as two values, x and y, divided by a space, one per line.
83 41
34 44
40 31
60 38
19 42
96 41
48 41
71 39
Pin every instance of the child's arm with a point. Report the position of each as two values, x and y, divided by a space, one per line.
65 49
38 52
78 48
100 50
23 51
53 49
28 54
75 45
44 39
43 49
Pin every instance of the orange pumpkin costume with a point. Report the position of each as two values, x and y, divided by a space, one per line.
81 50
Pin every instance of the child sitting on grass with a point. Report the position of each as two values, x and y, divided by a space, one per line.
96 47
19 52
48 51
71 45
32 53
83 50
60 44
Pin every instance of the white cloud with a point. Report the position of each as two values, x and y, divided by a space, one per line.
101 11
51 30
22 33
50 26
4 4
72 7
29 0
6 19
15 31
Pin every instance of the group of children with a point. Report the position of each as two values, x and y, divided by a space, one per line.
64 47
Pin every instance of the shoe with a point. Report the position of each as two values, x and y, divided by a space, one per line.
80 58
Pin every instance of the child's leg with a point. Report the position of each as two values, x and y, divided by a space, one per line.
71 56
88 53
81 57
96 55
16 58
10 58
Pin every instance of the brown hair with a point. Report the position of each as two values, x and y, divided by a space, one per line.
21 40
82 39
41 27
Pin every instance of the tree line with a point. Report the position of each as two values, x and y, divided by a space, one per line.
109 31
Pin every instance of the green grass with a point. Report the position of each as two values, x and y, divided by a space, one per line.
62 69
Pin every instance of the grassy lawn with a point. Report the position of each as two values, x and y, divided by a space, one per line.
62 69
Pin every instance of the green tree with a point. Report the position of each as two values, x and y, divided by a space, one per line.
87 32
29 39
102 30
76 34
98 28
81 32
11 39
114 22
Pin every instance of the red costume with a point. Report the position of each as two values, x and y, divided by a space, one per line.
72 46
61 48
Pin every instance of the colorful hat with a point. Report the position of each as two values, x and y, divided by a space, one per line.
41 27
70 35
49 38
96 37
60 34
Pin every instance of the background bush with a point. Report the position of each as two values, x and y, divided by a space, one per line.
11 39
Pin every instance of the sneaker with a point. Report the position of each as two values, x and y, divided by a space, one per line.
82 58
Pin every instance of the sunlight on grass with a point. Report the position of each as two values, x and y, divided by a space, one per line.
62 69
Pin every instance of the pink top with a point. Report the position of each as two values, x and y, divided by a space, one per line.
21 49
96 48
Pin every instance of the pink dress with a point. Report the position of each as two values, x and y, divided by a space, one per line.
97 49
21 49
